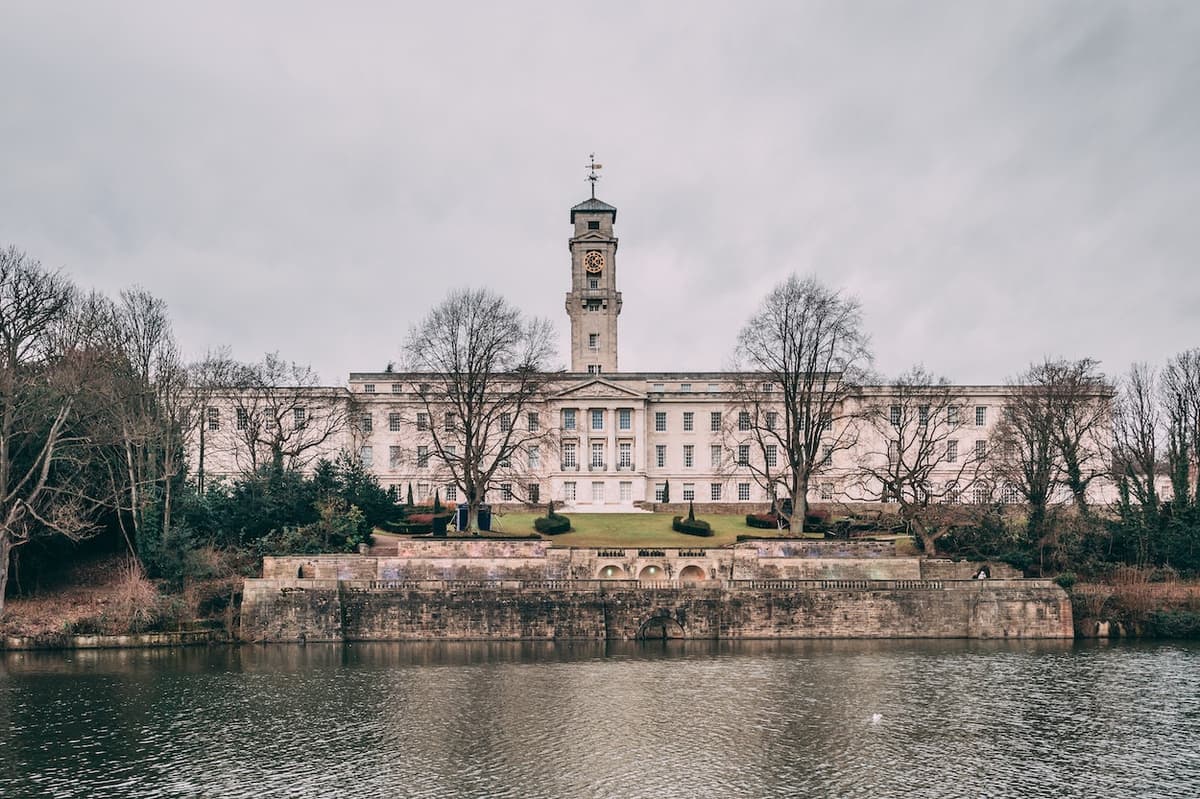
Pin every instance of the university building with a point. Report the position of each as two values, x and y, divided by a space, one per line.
614 440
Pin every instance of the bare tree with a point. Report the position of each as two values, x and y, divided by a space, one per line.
1052 435
916 456
1137 432
281 417
207 379
44 363
479 369
1180 394
799 358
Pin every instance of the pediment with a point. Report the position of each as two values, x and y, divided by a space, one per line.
597 388
593 235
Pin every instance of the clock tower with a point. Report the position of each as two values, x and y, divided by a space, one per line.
593 303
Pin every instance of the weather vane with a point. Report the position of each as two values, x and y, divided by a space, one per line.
592 176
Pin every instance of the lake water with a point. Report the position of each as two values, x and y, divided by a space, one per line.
674 719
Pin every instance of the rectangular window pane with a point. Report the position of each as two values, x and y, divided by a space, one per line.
714 455
660 455
626 455
689 492
625 419
660 421
568 455
533 421
422 457
772 454
743 492
569 491
451 493
714 421
744 420
367 456
394 456
689 455
597 492
394 422
980 415
659 490
597 419
714 492
626 492
689 421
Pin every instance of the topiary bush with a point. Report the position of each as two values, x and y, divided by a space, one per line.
553 524
691 526
764 521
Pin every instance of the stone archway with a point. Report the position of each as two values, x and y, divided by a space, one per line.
692 574
660 628
652 572
613 572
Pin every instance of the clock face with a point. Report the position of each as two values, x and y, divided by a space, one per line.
593 262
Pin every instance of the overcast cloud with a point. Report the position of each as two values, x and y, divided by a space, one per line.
996 182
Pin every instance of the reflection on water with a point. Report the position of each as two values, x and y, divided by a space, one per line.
664 719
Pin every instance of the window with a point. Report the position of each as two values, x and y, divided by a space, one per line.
535 457
365 424
626 491
597 455
594 369
660 421
449 453
366 456
270 422
597 419
451 492
689 421
568 418
213 417
1011 495
826 455
568 455
592 305
714 492
743 455
657 387
505 422
826 422
922 415
893 452
685 387
394 422
533 421
743 420
689 455
422 420
951 492
772 420
894 415
396 389
243 418
422 457
625 455
422 491
952 415
980 450
660 455
533 492
506 493
504 461
569 491
394 456
951 451
768 387
659 490
980 415
594 283
625 419
593 224
826 491
714 421
368 388
689 492
448 424
772 454
713 388
422 389
597 491
594 338
743 492
714 456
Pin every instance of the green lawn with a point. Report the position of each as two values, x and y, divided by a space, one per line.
630 530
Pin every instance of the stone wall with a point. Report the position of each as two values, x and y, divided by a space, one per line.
356 610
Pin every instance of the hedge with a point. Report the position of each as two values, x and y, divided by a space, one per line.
691 526
764 521
553 524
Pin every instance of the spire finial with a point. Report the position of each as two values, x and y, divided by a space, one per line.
592 176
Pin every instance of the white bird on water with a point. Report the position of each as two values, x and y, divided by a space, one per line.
876 718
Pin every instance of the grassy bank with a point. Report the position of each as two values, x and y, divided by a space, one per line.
1138 603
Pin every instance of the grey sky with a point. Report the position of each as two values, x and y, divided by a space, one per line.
995 181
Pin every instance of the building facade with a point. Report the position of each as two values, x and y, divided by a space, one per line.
602 439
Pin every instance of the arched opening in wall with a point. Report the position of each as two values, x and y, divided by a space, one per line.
691 574
613 572
660 628
652 572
